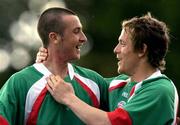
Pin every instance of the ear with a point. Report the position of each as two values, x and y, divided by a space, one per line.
54 37
143 51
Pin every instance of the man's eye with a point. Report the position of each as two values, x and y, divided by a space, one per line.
122 43
76 30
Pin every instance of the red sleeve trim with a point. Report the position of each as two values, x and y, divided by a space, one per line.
3 121
119 117
121 84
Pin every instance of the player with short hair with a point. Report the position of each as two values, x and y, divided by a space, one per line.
145 96
24 98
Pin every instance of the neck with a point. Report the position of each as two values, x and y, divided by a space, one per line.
142 73
56 65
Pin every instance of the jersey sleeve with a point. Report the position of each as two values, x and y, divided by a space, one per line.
8 105
119 117
11 101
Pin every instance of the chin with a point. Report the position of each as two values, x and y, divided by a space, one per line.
77 58
120 70
74 58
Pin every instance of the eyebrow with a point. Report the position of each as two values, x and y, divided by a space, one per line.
78 27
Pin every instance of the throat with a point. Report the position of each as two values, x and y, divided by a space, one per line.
61 70
142 75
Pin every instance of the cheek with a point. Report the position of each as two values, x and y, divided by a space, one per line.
127 60
131 61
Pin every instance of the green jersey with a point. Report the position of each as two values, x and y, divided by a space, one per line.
153 101
24 98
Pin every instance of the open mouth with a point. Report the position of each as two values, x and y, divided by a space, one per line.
79 46
118 58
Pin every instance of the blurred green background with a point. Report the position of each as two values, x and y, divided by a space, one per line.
101 19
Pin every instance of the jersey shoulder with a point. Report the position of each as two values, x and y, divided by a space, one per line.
25 77
161 86
27 73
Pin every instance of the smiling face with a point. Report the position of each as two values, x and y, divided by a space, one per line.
72 39
128 58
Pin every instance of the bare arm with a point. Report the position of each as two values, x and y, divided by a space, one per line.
64 93
88 114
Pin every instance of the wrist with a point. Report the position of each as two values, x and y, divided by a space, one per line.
69 99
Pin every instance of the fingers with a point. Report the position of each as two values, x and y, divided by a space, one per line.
51 81
50 85
40 59
58 88
43 50
49 89
41 55
58 78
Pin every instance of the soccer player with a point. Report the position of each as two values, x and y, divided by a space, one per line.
145 96
24 98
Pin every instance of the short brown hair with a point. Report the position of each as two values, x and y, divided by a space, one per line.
152 32
51 21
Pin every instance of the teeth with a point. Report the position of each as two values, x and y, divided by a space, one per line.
79 46
117 58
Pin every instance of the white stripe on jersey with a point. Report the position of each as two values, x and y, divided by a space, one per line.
91 84
32 95
35 89
176 101
139 84
116 82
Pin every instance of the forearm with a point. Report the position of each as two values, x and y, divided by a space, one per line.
63 93
88 114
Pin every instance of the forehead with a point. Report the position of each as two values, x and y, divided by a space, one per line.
71 21
123 35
